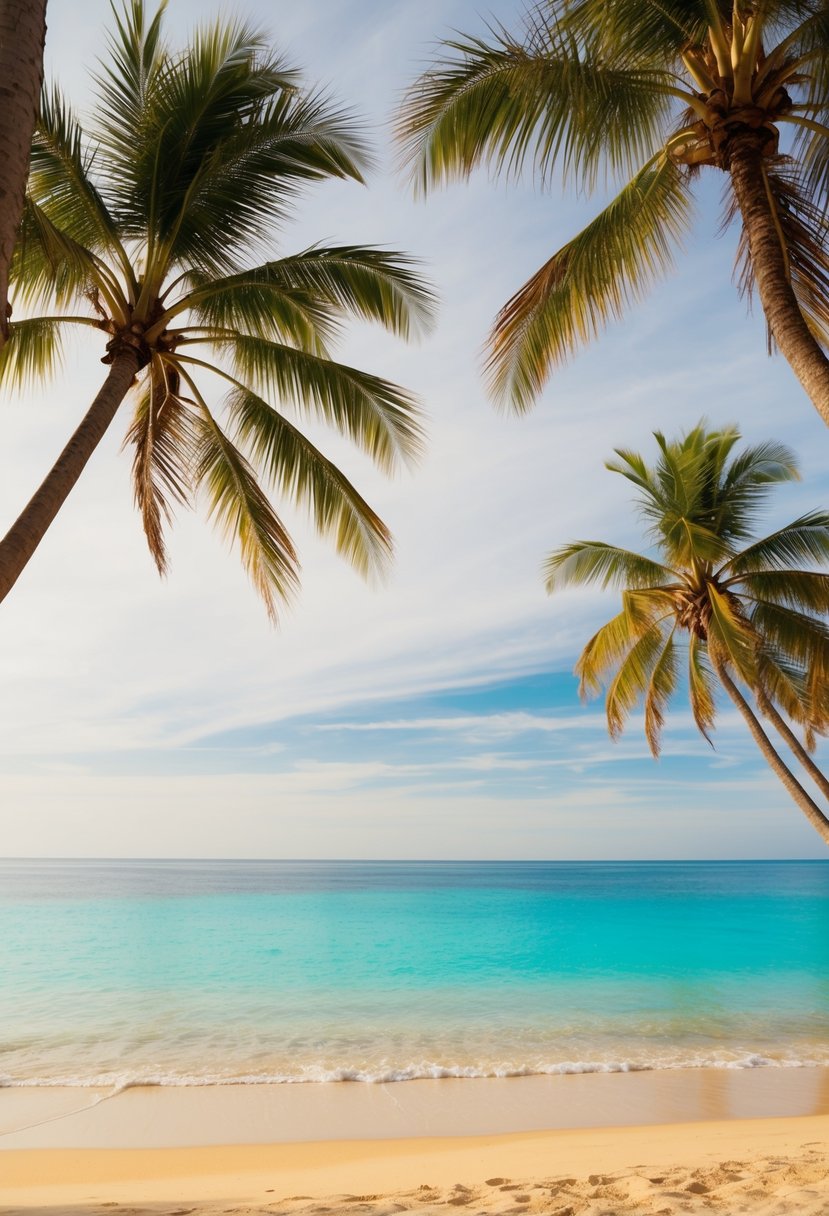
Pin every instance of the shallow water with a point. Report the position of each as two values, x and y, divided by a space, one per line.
202 972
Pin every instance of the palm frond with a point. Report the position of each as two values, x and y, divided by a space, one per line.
801 589
297 468
685 502
732 636
633 467
811 147
608 646
300 299
786 685
48 266
137 55
256 302
164 438
505 102
60 179
802 638
701 687
369 283
747 483
243 514
588 282
633 677
593 561
630 31
661 687
217 201
761 465
804 541
32 353
379 417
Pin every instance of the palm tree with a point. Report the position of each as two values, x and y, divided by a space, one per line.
22 33
750 616
143 231
651 91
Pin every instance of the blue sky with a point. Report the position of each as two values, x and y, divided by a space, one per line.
434 716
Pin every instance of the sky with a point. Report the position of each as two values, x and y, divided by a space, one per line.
434 715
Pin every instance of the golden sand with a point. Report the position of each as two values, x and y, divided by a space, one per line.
771 1167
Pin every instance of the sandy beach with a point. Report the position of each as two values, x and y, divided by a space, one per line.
174 1151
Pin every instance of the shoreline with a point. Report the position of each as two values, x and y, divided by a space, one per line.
167 1117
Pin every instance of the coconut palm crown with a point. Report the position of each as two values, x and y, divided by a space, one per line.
146 229
649 92
750 613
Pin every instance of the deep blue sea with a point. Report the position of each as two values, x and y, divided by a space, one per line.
200 972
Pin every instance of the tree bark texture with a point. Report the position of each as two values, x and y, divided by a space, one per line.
22 34
26 533
809 808
786 322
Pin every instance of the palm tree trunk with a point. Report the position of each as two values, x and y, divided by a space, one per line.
26 533
798 750
809 808
771 273
22 34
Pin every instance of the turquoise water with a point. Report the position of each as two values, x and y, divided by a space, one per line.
205 972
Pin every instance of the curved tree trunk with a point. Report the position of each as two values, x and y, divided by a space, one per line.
785 320
809 808
26 533
798 750
22 34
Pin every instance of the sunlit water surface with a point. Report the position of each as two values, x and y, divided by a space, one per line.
204 972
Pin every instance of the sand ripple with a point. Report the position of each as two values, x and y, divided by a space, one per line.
791 1185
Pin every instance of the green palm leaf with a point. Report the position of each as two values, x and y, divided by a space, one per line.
747 483
640 609
164 437
302 299
785 684
638 31
633 677
247 185
368 283
48 266
806 539
661 687
506 102
732 636
379 417
803 589
701 687
299 469
60 179
592 561
137 55
800 637
590 281
33 352
257 302
242 513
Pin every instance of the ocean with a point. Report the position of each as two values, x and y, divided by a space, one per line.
116 973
